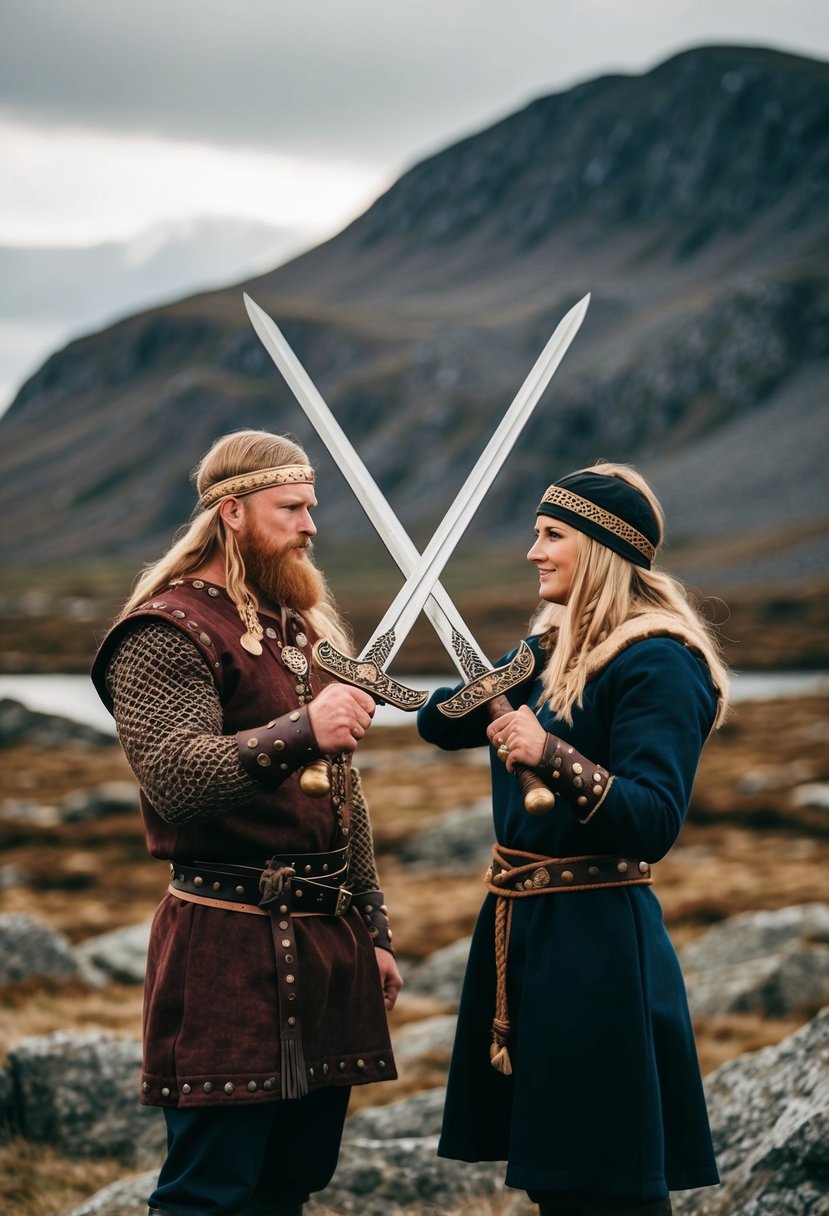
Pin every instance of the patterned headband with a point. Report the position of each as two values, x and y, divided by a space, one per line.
629 528
246 483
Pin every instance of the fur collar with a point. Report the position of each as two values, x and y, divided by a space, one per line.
654 624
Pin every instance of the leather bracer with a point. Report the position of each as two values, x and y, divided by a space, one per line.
372 907
272 752
578 780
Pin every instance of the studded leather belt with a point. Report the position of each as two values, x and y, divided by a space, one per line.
298 884
514 874
314 888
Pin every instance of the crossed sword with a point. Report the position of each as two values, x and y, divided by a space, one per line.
484 684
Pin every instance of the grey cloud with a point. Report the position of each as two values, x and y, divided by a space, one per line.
372 79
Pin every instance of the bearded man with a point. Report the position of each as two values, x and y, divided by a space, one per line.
270 957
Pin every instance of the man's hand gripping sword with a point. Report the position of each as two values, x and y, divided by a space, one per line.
486 685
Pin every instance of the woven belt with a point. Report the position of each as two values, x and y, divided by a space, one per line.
299 884
514 874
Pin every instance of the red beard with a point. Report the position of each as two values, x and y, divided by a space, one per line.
284 573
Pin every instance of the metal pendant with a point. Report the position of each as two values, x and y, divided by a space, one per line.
294 660
250 643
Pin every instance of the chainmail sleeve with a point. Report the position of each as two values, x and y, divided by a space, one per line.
169 721
363 880
362 866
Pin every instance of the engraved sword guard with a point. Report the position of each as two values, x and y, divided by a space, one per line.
481 690
366 674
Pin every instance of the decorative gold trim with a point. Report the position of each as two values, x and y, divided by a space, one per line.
365 674
605 519
490 685
246 483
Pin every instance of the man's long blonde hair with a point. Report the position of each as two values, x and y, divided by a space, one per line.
607 591
231 456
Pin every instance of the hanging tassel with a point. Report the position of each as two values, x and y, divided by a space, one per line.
294 1079
498 1053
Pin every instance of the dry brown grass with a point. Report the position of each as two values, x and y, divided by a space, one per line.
745 847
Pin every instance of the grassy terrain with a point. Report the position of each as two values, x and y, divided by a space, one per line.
746 846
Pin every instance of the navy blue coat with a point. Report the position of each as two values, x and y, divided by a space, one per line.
605 1094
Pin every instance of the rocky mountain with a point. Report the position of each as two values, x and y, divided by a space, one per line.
691 201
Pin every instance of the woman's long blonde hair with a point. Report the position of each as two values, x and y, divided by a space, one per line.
607 591
231 456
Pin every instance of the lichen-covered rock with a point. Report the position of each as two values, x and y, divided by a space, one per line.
80 1092
119 955
28 947
770 1120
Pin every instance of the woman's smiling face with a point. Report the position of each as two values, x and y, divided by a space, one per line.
554 556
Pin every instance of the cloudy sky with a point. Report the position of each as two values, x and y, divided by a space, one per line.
152 148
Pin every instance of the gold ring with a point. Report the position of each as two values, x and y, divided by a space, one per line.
503 751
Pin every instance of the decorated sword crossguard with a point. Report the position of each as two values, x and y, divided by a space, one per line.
366 673
492 683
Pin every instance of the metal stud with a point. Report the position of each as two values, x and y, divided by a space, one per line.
381 1063
271 633
361 1064
581 800
286 941
198 881
341 1066
230 1088
597 789
278 745
240 890
292 1021
643 867
217 886
213 591
294 717
253 741
146 1087
269 1084
185 1089
208 1087
566 875
263 760
325 1070
198 582
165 1093
622 867
252 1086
593 871
205 639
577 768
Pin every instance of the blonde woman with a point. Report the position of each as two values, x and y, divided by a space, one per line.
574 1059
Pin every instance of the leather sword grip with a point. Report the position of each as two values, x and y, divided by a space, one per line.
538 799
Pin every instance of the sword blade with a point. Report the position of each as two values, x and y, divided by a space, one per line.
448 623
390 634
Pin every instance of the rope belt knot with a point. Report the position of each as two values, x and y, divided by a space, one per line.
514 874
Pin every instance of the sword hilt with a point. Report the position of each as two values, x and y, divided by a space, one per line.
365 674
538 799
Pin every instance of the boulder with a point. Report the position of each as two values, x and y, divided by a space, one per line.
769 1114
419 1115
111 797
461 838
428 1037
29 947
80 1092
771 963
440 975
380 1177
119 955
127 1197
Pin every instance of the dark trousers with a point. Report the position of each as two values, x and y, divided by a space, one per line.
574 1203
222 1159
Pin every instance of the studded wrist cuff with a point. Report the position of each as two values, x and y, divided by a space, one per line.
578 780
371 906
272 752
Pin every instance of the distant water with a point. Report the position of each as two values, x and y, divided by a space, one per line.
74 697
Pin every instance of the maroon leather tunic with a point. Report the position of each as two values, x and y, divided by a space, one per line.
211 1021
